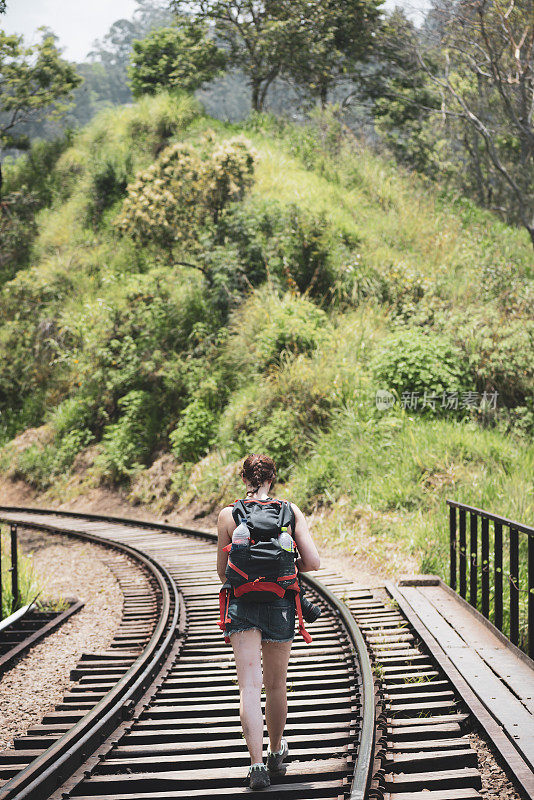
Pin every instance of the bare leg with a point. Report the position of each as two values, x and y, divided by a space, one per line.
247 652
275 661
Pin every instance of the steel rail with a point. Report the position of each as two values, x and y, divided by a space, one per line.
7 621
362 773
46 772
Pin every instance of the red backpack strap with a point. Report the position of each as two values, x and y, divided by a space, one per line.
224 602
302 630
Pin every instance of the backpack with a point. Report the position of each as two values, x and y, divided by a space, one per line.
262 570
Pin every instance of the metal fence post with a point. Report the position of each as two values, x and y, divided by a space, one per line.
497 579
514 586
463 554
14 568
452 534
531 596
473 559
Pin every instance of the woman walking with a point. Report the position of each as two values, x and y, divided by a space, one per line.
259 630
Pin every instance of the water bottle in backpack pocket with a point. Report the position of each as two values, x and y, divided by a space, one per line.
241 535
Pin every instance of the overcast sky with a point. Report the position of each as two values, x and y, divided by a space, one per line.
78 24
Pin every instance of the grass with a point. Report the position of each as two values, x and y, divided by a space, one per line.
393 216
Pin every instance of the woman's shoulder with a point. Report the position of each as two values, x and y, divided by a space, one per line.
296 510
225 514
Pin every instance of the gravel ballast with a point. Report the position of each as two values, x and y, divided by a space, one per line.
65 568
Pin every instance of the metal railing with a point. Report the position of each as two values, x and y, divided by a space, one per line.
487 567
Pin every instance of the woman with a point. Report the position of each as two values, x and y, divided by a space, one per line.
263 630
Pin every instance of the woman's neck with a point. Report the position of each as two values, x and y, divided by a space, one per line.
257 494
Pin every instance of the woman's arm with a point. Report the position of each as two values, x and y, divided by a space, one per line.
225 527
308 556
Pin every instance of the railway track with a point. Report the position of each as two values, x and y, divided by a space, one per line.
28 626
156 715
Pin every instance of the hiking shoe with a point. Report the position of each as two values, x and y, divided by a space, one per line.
258 777
275 760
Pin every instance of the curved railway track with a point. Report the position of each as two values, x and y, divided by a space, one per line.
156 715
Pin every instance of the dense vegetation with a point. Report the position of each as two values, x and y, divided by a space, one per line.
197 290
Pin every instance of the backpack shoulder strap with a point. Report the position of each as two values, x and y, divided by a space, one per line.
239 511
287 516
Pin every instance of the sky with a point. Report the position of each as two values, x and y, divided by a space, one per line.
78 23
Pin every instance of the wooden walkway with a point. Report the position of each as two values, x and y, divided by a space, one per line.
492 676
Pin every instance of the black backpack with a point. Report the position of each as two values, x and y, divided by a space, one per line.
262 570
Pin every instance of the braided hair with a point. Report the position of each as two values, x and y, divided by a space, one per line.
257 469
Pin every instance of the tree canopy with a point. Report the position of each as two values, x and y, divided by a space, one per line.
34 82
314 43
333 36
180 56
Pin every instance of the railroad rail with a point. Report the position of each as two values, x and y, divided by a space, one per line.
155 716
26 627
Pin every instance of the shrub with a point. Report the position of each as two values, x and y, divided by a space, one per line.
300 253
185 189
34 465
427 364
280 437
73 414
269 329
280 412
17 231
294 247
127 443
255 422
499 351
150 123
109 176
35 171
194 433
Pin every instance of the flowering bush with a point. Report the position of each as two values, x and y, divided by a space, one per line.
185 190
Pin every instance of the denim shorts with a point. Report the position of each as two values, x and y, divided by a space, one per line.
275 620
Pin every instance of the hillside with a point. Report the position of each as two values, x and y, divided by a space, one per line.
319 273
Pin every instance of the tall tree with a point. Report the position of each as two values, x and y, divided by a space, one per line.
259 36
313 41
35 82
487 83
114 50
178 57
332 37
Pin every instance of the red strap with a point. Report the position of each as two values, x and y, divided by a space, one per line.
259 586
224 602
239 571
302 630
227 548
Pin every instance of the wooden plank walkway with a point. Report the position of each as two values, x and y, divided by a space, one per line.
493 677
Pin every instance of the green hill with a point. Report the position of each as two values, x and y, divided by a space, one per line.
318 276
